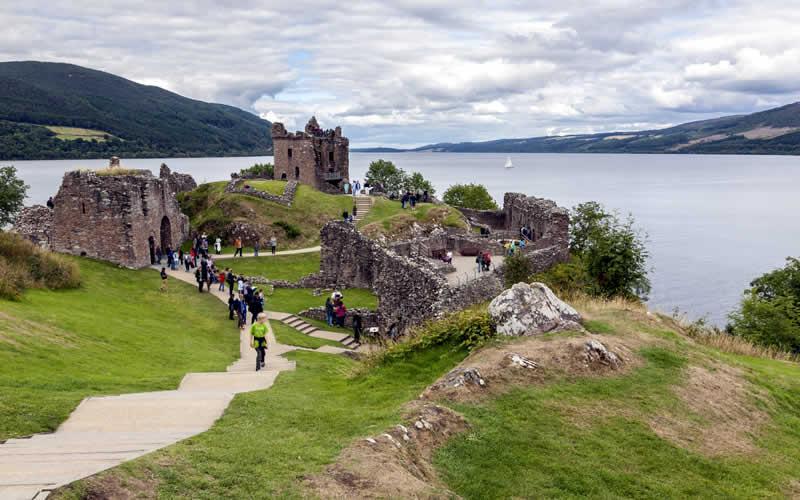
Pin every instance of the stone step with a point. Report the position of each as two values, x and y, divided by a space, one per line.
337 337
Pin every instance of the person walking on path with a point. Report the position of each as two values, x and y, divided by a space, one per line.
222 278
218 246
273 243
256 305
230 278
258 333
341 314
163 279
238 245
256 247
479 260
242 312
199 278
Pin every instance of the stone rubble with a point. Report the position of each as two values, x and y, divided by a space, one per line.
596 352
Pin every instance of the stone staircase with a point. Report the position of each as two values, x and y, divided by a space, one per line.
300 325
363 205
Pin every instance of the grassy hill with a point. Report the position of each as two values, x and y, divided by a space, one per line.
109 115
212 210
774 131
680 419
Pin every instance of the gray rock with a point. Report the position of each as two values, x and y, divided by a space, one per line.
596 352
532 309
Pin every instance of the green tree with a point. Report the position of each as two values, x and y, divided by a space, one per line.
12 194
416 182
387 175
474 196
769 313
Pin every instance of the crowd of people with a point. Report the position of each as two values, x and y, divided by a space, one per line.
336 314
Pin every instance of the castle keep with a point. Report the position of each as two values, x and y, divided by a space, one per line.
119 217
319 158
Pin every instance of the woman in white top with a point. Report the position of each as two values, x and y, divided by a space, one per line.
218 246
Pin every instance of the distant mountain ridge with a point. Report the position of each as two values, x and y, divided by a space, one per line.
774 131
124 118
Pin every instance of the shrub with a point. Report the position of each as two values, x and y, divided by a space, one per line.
567 279
24 265
516 269
12 195
265 170
291 230
474 196
467 329
769 313
612 251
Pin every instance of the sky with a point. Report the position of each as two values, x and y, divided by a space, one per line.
413 72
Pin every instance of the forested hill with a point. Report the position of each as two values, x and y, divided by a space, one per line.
54 110
775 131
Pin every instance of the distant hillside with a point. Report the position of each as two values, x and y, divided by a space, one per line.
53 110
775 131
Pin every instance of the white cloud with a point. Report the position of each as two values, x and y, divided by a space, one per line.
414 72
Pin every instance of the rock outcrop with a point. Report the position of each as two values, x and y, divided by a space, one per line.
532 309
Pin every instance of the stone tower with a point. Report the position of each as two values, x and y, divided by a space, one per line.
319 158
121 218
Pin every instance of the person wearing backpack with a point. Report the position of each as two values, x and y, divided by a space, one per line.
258 340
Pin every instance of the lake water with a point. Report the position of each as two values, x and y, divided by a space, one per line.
714 222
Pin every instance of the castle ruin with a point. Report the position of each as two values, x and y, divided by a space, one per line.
117 215
319 158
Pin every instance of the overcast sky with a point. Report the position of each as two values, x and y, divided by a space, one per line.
413 72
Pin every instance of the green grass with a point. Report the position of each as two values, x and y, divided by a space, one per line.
294 300
285 334
267 441
279 267
72 133
388 217
273 187
115 334
210 210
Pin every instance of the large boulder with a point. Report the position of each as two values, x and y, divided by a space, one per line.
531 309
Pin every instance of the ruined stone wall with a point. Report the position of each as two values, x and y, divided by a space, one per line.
409 289
493 219
319 158
36 224
368 318
113 217
549 222
239 186
179 183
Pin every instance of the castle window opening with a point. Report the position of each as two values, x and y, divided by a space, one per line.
330 156
290 152
296 172
83 208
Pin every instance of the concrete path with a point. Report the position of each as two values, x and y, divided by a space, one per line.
265 252
467 269
105 431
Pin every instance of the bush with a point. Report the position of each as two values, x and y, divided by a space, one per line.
612 252
474 196
291 230
468 329
12 195
516 269
769 313
24 265
568 278
264 170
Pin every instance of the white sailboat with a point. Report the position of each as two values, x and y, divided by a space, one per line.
508 162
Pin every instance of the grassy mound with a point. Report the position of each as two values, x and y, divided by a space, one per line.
388 218
684 419
25 265
211 210
280 267
115 334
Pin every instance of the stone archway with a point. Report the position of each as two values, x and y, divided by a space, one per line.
166 234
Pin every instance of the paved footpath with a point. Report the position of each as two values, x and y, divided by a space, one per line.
105 431
266 252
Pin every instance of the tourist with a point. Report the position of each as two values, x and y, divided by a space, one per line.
163 279
341 314
240 285
258 332
345 216
256 247
204 245
448 257
238 245
222 278
487 260
413 200
199 278
256 304
186 263
355 211
50 204
329 311
479 260
158 255
273 243
233 306
357 327
425 196
404 200
230 278
204 274
218 246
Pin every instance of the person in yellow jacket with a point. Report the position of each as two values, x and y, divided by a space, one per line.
258 333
